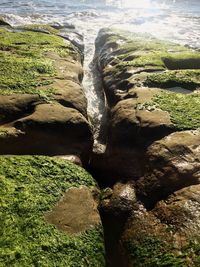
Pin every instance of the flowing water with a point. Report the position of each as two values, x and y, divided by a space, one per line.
174 20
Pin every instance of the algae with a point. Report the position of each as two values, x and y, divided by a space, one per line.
40 27
30 185
183 108
24 63
152 252
188 79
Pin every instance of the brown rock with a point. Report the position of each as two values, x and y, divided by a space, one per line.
70 94
121 200
76 212
127 120
172 228
15 106
172 163
52 129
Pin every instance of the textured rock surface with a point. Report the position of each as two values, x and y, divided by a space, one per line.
75 212
168 235
41 94
172 163
153 144
149 85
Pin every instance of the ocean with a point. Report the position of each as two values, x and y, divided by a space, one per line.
176 20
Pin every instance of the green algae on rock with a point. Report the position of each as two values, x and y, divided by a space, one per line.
188 79
128 60
38 67
25 66
30 186
176 105
39 28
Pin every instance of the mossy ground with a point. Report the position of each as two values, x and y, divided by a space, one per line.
183 108
30 186
154 252
24 64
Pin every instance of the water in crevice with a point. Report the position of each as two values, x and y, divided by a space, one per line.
92 84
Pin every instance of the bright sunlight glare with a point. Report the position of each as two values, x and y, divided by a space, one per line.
130 3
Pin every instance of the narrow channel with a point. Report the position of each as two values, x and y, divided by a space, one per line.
92 84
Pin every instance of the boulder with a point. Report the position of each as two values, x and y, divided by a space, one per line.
172 163
168 235
51 129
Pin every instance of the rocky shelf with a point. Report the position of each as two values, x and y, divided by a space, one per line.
142 190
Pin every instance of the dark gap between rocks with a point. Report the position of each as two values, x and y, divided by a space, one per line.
113 224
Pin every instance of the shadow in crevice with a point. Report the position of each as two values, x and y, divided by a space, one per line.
113 228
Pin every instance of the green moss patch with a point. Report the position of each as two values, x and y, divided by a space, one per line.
183 108
25 66
30 186
180 65
188 79
152 252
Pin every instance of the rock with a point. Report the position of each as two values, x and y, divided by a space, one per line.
36 192
65 129
128 60
15 106
43 98
73 215
172 163
70 94
72 158
121 201
3 22
115 207
127 120
76 39
141 88
116 164
166 235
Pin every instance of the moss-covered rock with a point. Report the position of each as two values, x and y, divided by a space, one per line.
129 60
152 90
168 235
37 67
135 69
30 188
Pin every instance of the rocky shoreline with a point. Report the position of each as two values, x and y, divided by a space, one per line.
148 174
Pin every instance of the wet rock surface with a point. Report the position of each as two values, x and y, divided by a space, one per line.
172 163
168 234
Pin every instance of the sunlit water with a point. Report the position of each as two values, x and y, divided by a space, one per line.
174 20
